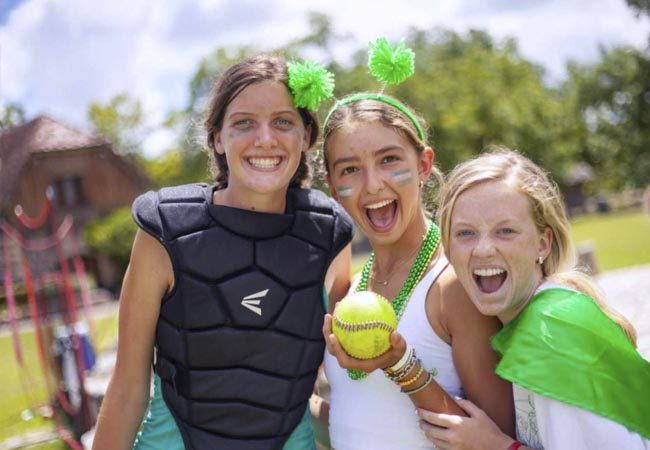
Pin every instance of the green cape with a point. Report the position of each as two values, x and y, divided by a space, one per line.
564 347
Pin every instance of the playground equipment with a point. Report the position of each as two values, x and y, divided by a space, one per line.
40 259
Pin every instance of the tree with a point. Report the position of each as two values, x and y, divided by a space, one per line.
112 236
177 166
613 97
640 7
121 121
11 115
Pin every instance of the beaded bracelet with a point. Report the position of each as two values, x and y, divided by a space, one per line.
397 376
426 383
404 370
410 356
405 357
413 379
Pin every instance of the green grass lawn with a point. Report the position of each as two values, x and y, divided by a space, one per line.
24 389
620 240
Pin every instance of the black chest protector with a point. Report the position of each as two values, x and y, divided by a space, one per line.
238 340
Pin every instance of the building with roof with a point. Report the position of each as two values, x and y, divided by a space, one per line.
88 179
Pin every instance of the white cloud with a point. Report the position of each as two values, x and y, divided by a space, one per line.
58 56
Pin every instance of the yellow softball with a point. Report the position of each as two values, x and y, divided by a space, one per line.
363 322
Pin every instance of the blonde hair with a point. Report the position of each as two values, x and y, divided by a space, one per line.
548 211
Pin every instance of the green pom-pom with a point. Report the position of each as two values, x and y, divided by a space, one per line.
310 84
390 64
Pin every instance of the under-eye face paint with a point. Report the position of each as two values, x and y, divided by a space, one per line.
402 176
344 191
238 133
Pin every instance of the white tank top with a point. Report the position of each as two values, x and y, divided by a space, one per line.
372 413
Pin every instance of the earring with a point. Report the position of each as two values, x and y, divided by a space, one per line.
540 260
421 183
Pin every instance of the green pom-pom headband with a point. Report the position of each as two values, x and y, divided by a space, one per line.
391 65
310 84
380 98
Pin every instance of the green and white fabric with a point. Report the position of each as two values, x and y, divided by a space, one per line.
563 347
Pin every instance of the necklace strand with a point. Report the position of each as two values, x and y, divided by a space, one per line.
422 261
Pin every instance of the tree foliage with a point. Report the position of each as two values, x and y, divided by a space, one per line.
121 122
640 7
11 115
176 166
612 97
113 236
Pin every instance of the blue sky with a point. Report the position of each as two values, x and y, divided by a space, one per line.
5 9
57 56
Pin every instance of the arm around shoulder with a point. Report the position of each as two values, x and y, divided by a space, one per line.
148 278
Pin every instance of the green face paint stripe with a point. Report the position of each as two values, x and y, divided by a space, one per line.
344 191
402 176
237 133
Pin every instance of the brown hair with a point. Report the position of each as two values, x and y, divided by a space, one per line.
228 86
368 110
547 208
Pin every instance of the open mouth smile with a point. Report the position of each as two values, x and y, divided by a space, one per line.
489 280
382 214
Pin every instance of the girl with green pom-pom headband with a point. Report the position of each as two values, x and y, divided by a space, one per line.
390 65
377 160
224 277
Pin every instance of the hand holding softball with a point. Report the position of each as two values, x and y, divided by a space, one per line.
362 336
394 353
363 322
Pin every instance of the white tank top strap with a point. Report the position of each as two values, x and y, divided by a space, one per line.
432 275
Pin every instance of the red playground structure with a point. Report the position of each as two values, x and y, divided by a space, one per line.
40 260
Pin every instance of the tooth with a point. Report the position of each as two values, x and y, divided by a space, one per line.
488 272
265 163
379 204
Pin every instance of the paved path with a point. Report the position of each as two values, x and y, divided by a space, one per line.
628 291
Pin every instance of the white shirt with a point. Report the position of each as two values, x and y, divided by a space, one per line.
544 423
548 424
372 414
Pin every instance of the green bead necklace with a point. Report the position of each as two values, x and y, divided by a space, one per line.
422 261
